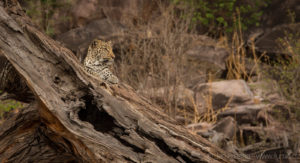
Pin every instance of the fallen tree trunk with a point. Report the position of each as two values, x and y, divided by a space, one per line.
76 117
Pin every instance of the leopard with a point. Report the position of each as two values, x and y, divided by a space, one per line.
99 59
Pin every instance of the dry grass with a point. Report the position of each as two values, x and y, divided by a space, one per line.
153 56
236 62
211 114
286 73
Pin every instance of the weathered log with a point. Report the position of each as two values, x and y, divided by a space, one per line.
76 117
12 85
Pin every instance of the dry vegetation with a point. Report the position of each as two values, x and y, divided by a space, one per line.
153 55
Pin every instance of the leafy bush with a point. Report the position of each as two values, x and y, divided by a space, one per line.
218 16
44 13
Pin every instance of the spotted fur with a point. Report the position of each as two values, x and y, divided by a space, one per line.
99 57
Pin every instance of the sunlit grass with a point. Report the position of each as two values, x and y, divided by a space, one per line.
8 105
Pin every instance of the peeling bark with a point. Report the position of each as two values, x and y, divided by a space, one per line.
77 118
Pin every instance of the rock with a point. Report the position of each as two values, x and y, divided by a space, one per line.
204 56
271 142
227 126
277 13
225 92
218 139
219 133
276 134
253 68
184 97
266 90
211 54
84 11
246 114
232 148
79 38
122 11
223 131
270 43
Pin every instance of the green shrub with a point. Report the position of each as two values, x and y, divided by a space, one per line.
42 12
218 16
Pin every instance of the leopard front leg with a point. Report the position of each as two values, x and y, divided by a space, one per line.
107 75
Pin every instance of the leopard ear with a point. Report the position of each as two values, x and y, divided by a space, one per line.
95 43
109 42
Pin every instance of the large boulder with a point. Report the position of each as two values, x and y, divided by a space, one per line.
270 42
222 93
122 11
280 12
183 97
84 11
248 114
224 129
227 126
209 53
79 38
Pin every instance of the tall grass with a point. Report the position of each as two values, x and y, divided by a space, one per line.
236 62
286 71
154 57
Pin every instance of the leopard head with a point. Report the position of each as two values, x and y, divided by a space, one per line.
100 53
